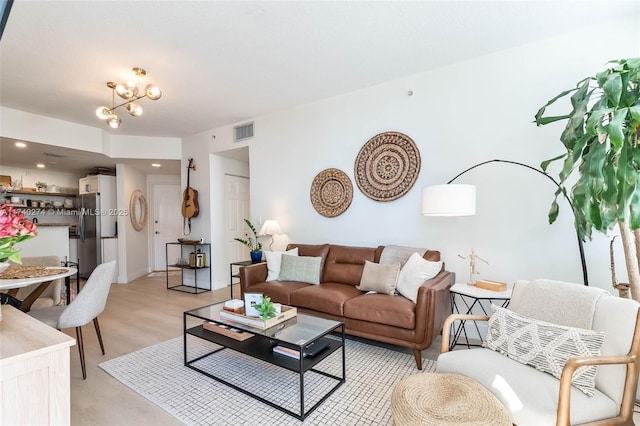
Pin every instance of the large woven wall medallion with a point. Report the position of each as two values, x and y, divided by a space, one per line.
331 192
387 166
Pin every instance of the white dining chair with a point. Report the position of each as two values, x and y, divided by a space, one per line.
88 304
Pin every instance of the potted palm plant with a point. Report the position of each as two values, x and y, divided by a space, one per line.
255 246
602 157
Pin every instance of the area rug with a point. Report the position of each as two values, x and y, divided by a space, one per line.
158 374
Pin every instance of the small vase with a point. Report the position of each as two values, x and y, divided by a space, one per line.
4 265
256 256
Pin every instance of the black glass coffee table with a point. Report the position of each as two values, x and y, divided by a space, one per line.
301 334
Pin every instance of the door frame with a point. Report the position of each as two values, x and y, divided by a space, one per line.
153 181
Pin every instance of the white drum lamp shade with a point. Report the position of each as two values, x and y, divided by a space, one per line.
449 200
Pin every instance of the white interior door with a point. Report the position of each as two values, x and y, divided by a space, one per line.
167 220
237 200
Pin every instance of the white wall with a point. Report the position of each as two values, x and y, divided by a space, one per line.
31 176
458 116
133 250
50 131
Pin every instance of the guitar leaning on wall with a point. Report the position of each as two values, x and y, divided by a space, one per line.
189 201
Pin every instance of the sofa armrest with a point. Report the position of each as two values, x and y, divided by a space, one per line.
252 274
432 307
446 328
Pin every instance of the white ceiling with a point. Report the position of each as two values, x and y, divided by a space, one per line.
222 62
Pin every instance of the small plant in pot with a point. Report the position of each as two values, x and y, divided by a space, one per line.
266 308
255 246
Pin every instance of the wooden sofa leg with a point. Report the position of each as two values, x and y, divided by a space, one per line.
418 356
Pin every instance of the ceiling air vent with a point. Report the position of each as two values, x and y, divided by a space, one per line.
243 132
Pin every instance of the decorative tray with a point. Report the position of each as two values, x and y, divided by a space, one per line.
227 331
185 241
287 313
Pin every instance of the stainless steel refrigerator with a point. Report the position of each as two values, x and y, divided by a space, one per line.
89 243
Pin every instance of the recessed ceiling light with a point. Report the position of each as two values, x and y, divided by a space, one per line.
40 166
21 144
156 165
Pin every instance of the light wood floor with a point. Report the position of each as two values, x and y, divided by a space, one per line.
137 315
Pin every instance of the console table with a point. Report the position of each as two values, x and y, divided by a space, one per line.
233 274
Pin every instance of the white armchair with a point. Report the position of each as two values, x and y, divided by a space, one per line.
534 397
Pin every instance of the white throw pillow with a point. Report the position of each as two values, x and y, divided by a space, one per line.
274 261
544 345
414 273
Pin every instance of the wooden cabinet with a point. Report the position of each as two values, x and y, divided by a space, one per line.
35 378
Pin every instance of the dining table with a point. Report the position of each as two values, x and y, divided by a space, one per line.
14 284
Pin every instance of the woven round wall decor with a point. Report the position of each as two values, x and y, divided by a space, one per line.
387 166
331 192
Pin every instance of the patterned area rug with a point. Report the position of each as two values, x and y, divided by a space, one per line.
158 374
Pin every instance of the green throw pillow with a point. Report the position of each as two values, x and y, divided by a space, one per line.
300 268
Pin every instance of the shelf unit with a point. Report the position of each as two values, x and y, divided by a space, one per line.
39 196
187 271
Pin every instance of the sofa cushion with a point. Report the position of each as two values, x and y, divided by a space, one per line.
543 345
274 262
393 254
300 268
326 297
345 264
313 250
379 278
382 309
530 396
278 291
414 273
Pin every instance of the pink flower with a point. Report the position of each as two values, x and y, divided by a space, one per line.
14 228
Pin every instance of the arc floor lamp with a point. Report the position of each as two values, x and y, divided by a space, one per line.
460 200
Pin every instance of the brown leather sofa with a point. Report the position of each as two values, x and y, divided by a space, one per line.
381 317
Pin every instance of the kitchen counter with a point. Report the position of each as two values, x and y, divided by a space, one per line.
41 225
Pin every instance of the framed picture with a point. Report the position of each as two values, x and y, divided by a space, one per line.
251 299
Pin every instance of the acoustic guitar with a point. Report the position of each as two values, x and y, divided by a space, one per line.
190 206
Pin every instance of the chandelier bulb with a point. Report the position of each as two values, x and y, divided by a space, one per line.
121 90
113 121
134 109
103 112
132 89
153 92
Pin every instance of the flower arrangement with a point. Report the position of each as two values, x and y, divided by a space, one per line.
253 244
14 228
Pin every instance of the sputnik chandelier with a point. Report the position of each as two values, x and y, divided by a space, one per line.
131 94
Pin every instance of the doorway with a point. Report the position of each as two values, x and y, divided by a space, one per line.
167 221
237 202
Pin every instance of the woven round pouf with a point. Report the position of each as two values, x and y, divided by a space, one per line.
445 399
